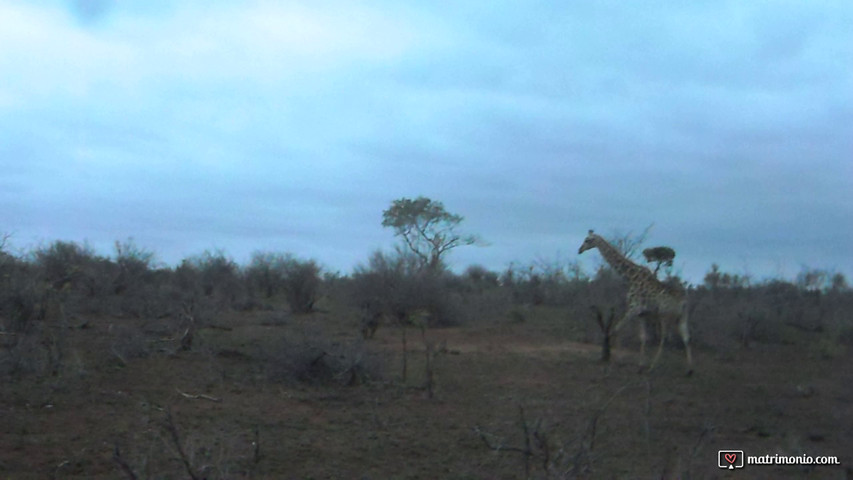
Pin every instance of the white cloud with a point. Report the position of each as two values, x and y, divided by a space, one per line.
49 60
232 124
257 43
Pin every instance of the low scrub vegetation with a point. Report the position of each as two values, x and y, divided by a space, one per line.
60 285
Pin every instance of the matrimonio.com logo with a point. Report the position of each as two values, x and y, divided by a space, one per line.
733 459
730 459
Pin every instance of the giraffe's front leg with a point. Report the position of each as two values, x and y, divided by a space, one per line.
662 335
644 338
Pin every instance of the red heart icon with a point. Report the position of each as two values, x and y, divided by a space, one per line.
731 457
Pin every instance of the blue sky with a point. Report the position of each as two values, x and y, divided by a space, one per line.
290 126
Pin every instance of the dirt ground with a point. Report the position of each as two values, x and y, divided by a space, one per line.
511 400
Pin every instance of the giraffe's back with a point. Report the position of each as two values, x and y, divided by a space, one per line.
657 297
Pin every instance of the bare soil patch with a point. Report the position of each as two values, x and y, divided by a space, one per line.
234 422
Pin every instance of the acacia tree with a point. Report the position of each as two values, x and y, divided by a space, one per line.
660 255
427 229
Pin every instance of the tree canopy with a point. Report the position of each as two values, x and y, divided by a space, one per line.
427 229
660 255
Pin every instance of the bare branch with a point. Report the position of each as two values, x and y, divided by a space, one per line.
122 464
176 439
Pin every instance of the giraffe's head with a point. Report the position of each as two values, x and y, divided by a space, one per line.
589 242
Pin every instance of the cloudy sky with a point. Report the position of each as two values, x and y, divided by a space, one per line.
290 126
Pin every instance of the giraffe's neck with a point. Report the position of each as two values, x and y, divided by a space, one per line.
617 261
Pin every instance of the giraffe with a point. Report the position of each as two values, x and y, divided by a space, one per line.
646 296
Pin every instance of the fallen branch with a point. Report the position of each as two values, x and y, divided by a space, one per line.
256 444
199 396
118 355
220 327
497 448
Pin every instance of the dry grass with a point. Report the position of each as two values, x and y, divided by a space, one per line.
231 419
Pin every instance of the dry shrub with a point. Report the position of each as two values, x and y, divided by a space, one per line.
317 361
301 284
270 274
128 343
396 285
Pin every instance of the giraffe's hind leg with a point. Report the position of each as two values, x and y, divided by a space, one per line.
662 335
644 338
685 337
